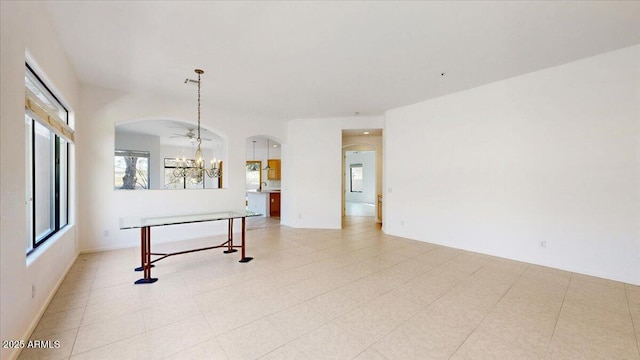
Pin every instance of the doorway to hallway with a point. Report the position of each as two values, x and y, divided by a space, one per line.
360 183
362 174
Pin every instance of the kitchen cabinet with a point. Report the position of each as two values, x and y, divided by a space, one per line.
274 204
274 169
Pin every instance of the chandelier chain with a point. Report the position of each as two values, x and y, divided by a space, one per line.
199 80
195 169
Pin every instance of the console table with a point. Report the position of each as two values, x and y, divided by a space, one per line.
146 223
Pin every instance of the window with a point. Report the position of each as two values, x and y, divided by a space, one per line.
131 169
48 136
253 174
356 177
173 180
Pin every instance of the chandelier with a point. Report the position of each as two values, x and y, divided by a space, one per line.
195 169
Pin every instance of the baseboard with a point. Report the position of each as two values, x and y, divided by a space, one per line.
36 320
108 248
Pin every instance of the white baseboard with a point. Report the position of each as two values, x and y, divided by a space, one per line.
14 355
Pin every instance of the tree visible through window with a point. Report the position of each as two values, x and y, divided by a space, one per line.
131 169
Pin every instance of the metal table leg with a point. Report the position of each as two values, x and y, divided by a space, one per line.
244 258
230 248
145 253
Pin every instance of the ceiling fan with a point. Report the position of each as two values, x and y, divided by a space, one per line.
189 135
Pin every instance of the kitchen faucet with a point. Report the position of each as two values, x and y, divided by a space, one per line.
260 187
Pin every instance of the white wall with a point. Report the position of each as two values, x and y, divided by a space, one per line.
24 27
101 207
312 170
550 156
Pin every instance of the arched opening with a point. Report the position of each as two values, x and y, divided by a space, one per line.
263 180
159 147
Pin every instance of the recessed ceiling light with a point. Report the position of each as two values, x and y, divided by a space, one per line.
366 133
274 145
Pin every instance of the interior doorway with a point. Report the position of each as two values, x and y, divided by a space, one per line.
360 183
263 176
362 174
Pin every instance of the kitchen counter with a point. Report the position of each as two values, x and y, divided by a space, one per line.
263 202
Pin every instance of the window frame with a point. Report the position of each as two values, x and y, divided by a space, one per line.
352 175
171 164
138 154
250 167
58 185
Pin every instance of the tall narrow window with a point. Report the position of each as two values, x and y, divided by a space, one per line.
47 136
253 174
44 188
356 177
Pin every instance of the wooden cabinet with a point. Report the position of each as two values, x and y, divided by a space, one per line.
274 169
274 204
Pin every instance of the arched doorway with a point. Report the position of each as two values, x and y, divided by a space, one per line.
263 177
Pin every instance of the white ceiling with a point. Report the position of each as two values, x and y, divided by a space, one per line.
289 59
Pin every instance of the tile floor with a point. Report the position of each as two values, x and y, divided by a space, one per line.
354 293
359 209
262 222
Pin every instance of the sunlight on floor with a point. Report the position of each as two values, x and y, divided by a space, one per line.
359 209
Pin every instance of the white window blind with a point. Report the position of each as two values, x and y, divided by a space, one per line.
46 116
45 109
